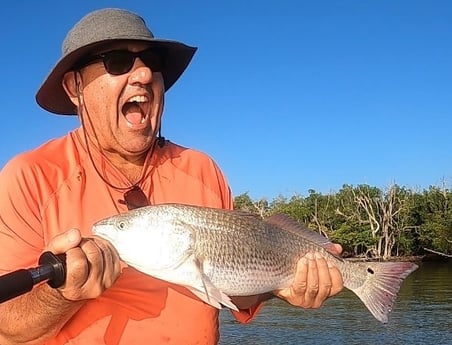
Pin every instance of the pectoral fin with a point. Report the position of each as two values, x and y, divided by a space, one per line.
207 292
214 297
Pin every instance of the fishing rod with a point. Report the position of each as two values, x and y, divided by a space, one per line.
52 268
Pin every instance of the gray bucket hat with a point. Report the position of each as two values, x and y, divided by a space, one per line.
95 30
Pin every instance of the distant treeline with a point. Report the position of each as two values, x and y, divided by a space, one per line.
368 221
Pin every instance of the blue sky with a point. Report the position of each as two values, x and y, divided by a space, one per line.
286 96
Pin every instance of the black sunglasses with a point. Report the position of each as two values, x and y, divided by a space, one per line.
117 62
135 198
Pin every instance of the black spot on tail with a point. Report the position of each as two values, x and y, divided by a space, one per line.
370 270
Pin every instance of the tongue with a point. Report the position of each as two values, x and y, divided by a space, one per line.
133 113
134 118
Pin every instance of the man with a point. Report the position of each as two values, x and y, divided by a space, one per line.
113 74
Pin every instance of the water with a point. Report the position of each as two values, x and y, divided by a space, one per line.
422 315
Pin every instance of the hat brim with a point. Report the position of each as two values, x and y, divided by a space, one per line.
52 96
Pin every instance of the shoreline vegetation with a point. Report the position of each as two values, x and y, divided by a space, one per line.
394 224
412 258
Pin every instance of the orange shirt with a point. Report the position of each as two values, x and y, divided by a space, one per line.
55 187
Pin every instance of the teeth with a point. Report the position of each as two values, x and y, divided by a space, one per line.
138 99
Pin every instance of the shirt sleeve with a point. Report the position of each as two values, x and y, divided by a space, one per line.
21 239
247 315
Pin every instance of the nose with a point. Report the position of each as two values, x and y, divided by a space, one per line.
141 74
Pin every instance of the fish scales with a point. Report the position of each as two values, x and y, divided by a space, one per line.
246 255
219 253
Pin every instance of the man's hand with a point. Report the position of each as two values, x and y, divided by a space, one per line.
93 265
315 280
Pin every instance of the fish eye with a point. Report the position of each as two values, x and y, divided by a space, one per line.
122 225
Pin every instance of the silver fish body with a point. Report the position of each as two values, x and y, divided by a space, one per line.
220 253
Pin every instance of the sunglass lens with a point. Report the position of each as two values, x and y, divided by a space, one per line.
151 59
119 62
135 198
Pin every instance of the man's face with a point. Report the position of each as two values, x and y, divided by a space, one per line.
122 111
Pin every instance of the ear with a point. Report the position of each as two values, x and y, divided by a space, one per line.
70 86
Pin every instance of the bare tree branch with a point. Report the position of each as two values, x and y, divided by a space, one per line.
438 253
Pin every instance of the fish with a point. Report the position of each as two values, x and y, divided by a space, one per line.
218 254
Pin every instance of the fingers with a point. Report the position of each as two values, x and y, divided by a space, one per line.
65 241
337 248
320 280
92 267
110 259
300 285
315 280
312 284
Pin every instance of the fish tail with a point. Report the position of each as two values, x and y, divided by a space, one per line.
377 284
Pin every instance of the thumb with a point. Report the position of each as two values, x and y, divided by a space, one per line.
61 243
338 248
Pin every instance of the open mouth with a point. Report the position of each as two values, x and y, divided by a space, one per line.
136 110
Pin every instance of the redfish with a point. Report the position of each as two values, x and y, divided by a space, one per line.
219 253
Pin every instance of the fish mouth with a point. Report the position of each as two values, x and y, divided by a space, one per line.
101 229
105 236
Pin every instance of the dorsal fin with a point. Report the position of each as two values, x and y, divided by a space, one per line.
286 223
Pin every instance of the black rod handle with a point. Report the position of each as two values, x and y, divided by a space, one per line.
14 284
51 268
58 263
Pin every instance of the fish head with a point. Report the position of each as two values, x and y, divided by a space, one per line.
146 239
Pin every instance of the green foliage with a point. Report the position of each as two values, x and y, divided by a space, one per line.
294 207
355 240
368 221
244 202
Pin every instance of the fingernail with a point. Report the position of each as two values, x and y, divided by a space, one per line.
318 255
304 261
310 256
